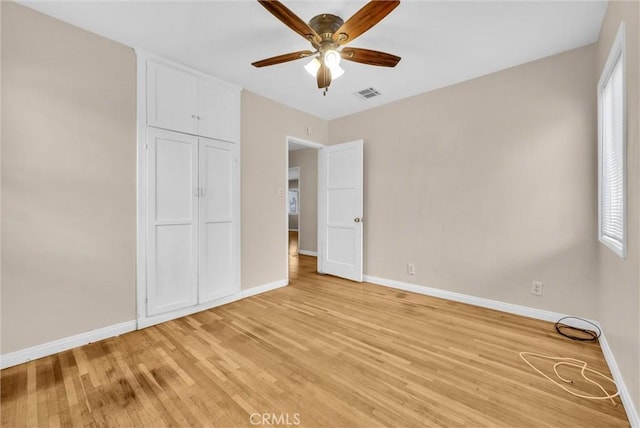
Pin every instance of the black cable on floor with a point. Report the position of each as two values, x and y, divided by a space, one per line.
566 330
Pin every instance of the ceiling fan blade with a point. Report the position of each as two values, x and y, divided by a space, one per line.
290 19
371 57
282 58
372 13
324 76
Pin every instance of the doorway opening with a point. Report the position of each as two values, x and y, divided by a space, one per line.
293 194
301 202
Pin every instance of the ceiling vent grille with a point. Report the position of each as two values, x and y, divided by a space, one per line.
368 93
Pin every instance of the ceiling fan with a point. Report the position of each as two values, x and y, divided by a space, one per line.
327 33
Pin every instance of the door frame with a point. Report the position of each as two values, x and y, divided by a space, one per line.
311 145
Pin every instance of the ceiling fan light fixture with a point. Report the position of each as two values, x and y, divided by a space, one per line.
327 33
314 65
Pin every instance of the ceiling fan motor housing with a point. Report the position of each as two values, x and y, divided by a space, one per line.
325 25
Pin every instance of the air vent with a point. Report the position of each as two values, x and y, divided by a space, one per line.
365 94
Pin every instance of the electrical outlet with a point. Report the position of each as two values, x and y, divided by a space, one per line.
281 192
411 269
536 288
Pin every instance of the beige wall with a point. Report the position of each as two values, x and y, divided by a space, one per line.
487 185
265 125
307 160
293 222
68 180
619 298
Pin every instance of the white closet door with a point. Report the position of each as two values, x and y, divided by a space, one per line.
219 110
172 98
219 226
172 236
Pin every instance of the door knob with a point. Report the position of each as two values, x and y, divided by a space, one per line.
357 219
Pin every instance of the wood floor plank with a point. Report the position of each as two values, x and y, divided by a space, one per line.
323 351
32 394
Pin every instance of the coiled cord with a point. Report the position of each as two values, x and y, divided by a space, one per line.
591 335
572 362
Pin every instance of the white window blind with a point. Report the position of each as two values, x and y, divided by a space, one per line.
611 123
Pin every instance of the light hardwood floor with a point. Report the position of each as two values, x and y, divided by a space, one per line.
321 352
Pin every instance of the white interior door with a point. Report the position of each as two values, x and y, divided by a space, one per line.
340 210
172 234
219 231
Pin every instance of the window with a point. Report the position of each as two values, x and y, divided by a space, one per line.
293 202
611 149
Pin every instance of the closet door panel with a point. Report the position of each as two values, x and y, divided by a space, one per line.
173 268
218 261
217 180
174 178
172 236
172 98
217 276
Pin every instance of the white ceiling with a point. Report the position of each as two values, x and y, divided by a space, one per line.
440 42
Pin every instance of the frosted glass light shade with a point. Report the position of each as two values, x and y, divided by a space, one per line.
313 66
336 71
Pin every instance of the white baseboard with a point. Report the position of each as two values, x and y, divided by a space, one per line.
308 253
264 288
50 348
627 401
145 322
511 308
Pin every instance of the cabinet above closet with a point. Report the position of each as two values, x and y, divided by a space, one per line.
186 101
